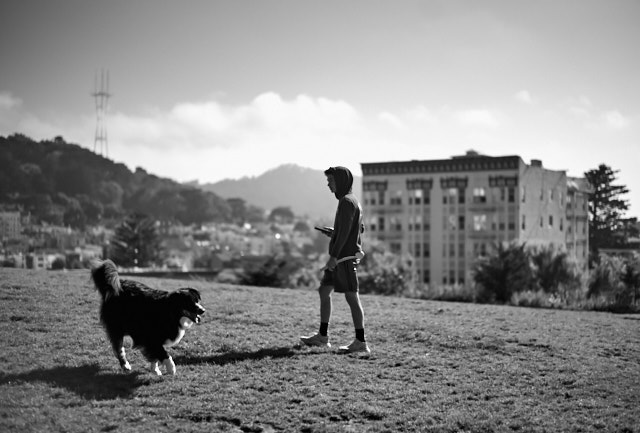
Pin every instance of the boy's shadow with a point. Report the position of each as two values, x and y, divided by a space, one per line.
239 356
87 381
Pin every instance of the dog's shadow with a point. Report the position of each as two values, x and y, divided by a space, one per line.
233 356
87 381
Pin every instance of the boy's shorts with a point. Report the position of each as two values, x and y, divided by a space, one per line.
343 278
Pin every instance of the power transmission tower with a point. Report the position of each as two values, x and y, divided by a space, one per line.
101 95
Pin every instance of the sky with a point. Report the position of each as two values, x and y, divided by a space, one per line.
210 90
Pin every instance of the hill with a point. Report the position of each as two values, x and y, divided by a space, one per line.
302 189
64 184
434 366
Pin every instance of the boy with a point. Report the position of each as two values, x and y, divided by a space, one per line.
341 275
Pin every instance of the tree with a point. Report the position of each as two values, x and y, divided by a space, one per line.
238 209
504 272
282 214
607 225
551 269
136 242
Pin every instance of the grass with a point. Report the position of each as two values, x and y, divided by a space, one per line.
434 366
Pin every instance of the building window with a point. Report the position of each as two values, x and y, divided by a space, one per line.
396 224
451 223
426 251
511 195
523 193
397 199
479 195
450 196
395 248
550 221
461 222
479 222
427 276
381 224
524 222
541 222
561 224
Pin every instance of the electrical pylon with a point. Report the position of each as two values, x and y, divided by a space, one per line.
101 95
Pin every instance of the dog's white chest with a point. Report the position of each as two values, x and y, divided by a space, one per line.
185 323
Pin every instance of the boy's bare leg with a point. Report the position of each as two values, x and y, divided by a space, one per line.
357 313
325 303
321 338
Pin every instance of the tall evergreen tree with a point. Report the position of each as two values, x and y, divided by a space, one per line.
136 242
607 226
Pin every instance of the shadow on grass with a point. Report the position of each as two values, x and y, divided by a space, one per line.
86 381
239 356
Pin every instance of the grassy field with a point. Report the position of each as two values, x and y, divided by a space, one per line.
434 366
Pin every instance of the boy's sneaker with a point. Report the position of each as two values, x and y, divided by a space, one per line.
316 340
355 346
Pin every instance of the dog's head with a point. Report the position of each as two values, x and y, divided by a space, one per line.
187 301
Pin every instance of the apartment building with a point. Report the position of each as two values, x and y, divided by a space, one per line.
446 213
10 225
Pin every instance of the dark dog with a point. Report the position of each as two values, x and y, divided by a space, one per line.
154 319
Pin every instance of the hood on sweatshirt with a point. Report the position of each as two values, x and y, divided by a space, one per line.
343 178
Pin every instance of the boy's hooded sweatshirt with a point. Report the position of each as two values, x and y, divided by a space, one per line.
347 226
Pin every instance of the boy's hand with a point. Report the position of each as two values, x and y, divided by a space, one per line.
331 264
327 231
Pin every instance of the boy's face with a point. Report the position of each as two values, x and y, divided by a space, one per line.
331 182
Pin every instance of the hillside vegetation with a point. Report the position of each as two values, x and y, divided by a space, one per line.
62 183
434 366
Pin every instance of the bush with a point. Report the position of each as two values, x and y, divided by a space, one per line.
448 293
613 284
384 273
552 269
503 273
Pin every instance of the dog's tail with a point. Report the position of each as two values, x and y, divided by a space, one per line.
106 279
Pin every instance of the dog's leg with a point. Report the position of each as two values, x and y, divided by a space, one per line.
169 365
153 366
118 349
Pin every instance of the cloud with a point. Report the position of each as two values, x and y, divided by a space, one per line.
482 118
593 117
614 120
8 102
524 96
391 119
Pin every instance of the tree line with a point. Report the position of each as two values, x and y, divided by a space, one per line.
64 184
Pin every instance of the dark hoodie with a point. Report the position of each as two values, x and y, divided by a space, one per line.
347 226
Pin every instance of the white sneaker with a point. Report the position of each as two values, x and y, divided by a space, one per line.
316 340
355 346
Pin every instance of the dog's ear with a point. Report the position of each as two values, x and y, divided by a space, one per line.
194 293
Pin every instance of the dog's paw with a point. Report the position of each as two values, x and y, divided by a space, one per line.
155 368
169 366
126 367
